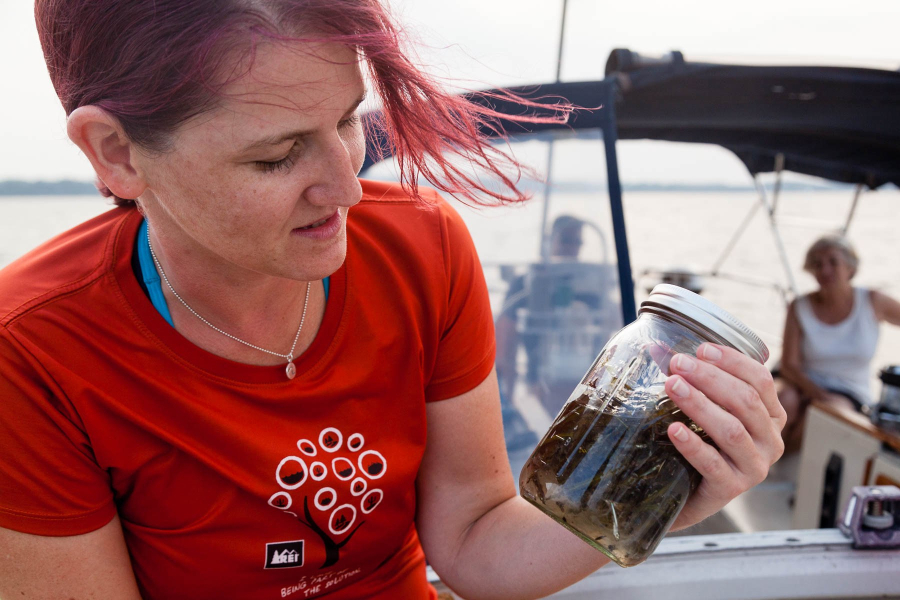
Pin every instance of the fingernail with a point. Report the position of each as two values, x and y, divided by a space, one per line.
684 363
681 434
710 352
680 388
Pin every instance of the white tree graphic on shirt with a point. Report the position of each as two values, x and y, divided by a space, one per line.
326 470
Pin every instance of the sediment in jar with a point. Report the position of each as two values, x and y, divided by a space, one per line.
609 472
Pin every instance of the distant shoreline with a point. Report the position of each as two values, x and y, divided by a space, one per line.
70 187
63 187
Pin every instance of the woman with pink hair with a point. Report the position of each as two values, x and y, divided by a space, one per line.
260 376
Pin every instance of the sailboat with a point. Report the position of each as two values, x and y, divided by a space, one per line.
839 124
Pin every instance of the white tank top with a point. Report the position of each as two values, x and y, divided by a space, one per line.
838 357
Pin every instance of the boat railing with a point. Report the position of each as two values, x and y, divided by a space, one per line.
769 565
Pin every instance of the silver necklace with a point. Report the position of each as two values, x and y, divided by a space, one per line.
290 370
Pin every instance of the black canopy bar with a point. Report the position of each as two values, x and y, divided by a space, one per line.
837 123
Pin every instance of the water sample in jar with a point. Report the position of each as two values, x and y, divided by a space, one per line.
606 469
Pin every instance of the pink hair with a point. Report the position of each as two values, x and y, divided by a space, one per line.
155 65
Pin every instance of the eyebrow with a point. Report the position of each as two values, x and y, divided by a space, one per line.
276 139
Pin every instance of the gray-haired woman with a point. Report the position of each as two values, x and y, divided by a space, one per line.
830 335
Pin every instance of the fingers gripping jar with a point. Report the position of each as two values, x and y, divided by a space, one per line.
606 469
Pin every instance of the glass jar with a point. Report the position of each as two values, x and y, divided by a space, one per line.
606 469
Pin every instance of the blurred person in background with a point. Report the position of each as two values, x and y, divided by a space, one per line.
565 244
830 336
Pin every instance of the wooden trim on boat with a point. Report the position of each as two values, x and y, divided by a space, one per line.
860 422
885 480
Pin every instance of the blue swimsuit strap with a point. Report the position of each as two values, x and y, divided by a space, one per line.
151 276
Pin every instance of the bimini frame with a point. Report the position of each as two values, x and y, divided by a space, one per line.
837 123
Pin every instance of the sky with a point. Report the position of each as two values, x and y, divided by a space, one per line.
515 42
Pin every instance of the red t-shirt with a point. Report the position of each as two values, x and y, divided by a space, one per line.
230 480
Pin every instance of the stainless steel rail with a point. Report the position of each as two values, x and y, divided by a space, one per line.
782 565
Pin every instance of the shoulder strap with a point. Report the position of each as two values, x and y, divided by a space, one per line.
151 275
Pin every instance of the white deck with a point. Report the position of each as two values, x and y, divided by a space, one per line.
783 565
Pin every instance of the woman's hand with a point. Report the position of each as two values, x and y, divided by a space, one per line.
732 397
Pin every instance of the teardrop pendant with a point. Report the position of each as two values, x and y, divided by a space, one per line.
291 370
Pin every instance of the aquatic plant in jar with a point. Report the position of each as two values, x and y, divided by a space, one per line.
606 469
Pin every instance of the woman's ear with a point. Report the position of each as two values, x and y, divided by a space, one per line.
101 138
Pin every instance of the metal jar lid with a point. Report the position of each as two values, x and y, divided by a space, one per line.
704 313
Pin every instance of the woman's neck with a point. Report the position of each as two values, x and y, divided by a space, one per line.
260 309
836 295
